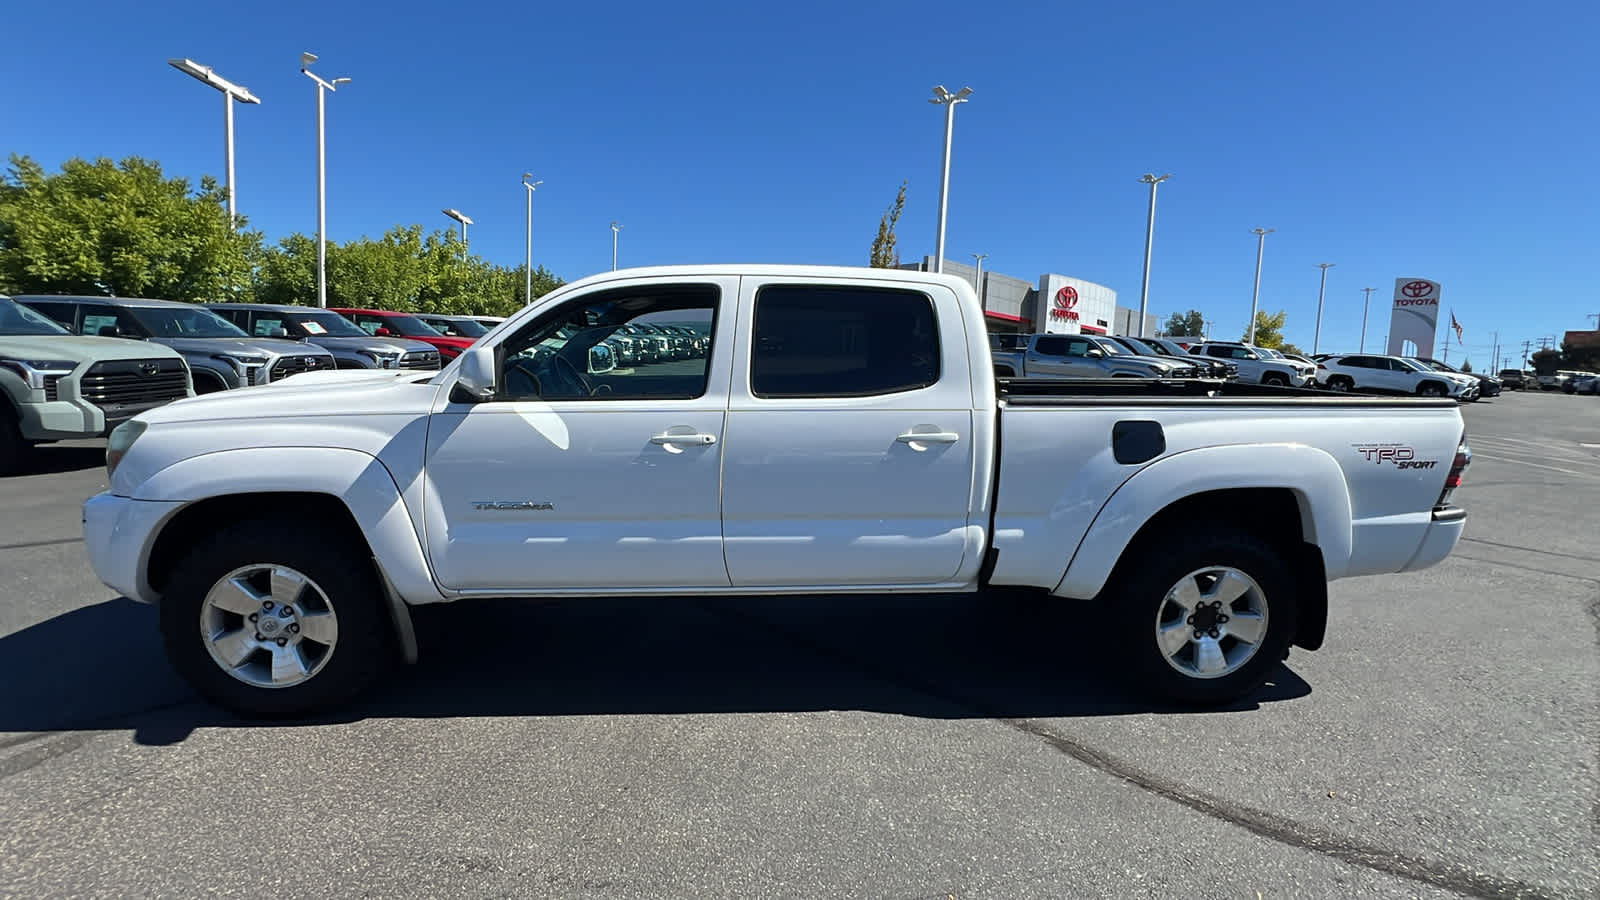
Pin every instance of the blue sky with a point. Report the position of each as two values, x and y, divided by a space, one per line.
1455 141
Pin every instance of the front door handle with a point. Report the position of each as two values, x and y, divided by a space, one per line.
929 437
699 440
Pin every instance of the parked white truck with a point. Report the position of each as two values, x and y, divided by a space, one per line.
843 433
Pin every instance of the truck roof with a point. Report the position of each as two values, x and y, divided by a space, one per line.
908 276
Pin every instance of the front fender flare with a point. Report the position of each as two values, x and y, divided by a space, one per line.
1313 475
359 480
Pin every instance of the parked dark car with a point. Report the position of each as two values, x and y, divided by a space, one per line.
1488 385
1208 367
220 355
351 347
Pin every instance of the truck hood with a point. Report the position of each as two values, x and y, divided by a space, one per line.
308 395
244 346
78 349
385 345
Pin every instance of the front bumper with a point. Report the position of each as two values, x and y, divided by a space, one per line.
118 533
63 420
1443 533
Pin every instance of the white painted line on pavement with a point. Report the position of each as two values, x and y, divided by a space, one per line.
1522 462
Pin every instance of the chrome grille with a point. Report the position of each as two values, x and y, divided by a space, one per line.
128 382
294 365
420 359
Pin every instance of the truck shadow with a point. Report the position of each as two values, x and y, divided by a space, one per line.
940 656
52 460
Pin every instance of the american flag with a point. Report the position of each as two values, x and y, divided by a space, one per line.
1456 325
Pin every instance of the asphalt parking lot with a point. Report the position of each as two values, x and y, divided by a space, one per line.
1443 742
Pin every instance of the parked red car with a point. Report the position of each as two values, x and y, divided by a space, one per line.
386 323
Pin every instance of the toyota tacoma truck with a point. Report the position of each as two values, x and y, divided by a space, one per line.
55 386
844 433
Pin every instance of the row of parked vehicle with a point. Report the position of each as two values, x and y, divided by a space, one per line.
1117 356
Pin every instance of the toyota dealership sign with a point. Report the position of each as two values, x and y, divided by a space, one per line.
1415 318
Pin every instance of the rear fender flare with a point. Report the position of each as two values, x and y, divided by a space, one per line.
1314 476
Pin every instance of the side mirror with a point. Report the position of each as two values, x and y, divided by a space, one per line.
383 332
475 376
279 333
1095 354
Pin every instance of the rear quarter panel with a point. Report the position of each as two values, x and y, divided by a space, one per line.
1366 475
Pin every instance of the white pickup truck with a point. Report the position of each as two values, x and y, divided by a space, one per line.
842 433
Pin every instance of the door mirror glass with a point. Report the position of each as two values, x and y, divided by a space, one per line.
1095 354
475 376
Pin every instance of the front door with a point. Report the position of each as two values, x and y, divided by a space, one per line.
849 458
584 476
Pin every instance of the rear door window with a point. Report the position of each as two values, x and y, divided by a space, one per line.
1050 346
832 341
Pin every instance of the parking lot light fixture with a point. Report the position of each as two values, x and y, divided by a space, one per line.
461 217
1149 238
230 92
323 87
949 101
1316 337
527 292
614 229
1255 294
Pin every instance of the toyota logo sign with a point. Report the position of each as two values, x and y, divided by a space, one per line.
1416 289
1067 297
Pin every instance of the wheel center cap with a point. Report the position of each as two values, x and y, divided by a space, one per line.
1205 617
270 626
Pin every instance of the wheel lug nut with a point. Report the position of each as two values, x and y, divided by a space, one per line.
259 637
293 628
283 642
266 605
254 617
285 612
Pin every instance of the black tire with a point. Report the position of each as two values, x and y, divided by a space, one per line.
1431 389
1341 384
1140 596
1276 379
16 453
365 643
1004 372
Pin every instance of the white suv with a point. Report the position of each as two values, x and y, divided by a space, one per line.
1392 375
1256 365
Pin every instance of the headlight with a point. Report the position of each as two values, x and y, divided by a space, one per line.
33 371
120 440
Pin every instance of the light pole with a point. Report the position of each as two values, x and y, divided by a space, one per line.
230 93
527 291
1149 237
323 87
614 229
1255 294
949 100
977 276
1364 304
461 217
1317 335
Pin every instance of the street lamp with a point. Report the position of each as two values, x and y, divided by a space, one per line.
323 87
461 217
527 292
1364 304
1149 237
949 100
614 229
1316 337
977 276
230 93
1255 295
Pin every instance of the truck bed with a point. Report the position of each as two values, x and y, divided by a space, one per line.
1087 391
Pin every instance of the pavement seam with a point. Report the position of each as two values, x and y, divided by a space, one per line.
52 543
1442 875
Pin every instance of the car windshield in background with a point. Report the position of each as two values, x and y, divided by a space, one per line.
1413 365
184 322
1142 348
467 327
16 319
1111 348
404 324
328 323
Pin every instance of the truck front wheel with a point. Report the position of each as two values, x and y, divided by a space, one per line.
269 618
1206 623
15 450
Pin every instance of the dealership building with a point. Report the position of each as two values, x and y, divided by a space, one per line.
1056 304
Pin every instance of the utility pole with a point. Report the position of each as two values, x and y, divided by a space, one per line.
1255 293
1364 304
1526 347
1596 318
1316 337
1208 330
1495 353
1149 237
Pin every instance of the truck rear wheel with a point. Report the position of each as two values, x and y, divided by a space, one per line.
1206 624
267 618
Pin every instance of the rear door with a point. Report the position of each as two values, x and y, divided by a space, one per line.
849 458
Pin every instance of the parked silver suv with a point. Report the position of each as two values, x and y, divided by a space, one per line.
1256 366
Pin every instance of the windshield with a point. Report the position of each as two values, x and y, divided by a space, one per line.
1269 354
460 328
1414 365
1140 347
398 323
1110 347
184 322
16 319
318 322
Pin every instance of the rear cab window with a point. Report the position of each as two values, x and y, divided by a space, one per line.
840 341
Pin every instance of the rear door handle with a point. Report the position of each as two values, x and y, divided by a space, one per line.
700 440
929 437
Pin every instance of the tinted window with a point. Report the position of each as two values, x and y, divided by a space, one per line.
1053 346
1219 351
1079 347
108 321
823 341
184 322
593 347
239 317
56 310
268 324
16 319
396 324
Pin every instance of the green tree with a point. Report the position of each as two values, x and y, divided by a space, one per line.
1188 324
1546 361
119 229
287 273
1269 329
1466 366
884 254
